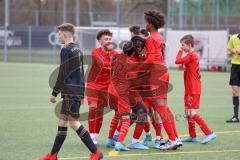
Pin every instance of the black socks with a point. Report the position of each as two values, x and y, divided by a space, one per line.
236 106
60 137
86 139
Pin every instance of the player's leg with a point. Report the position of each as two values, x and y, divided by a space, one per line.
147 124
97 100
92 118
160 105
102 103
204 127
140 113
61 133
191 127
92 98
125 123
235 84
115 123
148 137
81 131
124 110
59 140
174 127
157 124
235 101
113 127
173 122
194 101
116 133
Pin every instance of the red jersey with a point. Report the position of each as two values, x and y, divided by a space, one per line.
155 46
192 74
100 71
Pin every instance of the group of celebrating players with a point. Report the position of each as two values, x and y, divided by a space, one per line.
134 83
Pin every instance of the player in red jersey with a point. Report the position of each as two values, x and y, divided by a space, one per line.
189 58
119 90
155 46
122 70
141 110
98 82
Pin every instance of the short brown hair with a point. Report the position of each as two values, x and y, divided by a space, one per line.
188 39
66 27
135 29
102 32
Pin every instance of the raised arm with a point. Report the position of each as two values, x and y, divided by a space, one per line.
182 60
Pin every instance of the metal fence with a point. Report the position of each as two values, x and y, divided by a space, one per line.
39 44
28 44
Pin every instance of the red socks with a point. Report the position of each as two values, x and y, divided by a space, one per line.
138 130
202 124
147 127
191 128
158 127
166 120
113 125
91 120
95 119
172 121
98 124
125 124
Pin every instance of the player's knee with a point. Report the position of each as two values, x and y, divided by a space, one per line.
235 90
191 113
74 124
62 122
235 93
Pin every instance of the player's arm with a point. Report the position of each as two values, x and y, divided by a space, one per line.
150 50
232 51
230 48
99 60
182 60
61 76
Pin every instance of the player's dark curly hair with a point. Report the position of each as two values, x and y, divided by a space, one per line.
156 18
138 42
135 29
128 48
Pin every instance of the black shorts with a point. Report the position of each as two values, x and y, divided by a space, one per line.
70 107
235 75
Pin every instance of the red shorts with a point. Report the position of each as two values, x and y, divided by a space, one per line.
192 101
165 78
97 95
